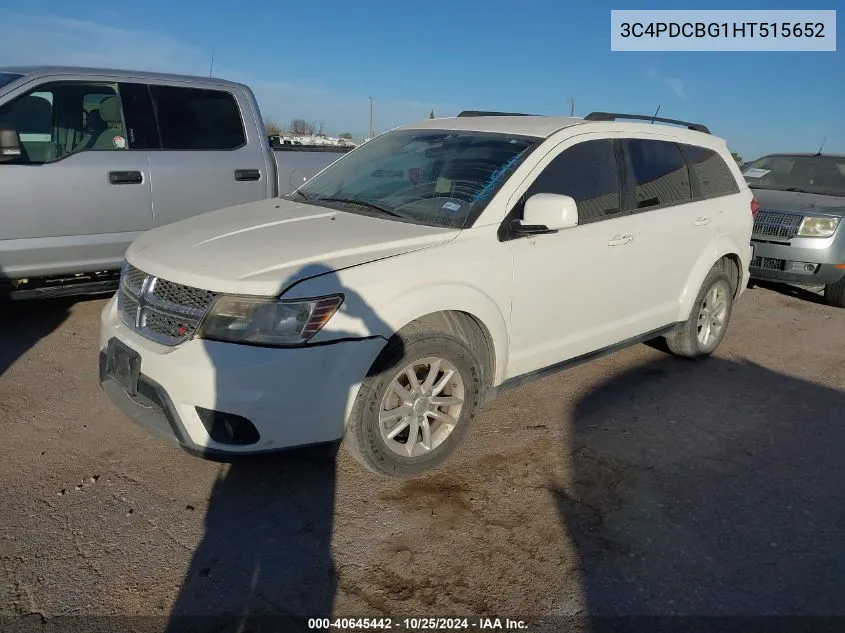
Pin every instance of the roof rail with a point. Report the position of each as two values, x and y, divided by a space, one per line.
483 113
613 116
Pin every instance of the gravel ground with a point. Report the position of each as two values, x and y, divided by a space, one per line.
636 484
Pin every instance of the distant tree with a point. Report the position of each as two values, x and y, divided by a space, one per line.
346 135
271 128
737 157
319 126
301 127
431 115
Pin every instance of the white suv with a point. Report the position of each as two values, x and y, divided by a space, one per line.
395 291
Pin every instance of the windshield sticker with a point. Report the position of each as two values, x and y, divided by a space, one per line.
487 191
756 173
443 185
452 206
119 142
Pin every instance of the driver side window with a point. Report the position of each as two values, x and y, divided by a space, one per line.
588 173
59 119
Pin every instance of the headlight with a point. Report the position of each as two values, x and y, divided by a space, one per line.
268 321
817 227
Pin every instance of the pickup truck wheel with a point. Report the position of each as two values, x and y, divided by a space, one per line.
416 405
834 294
702 332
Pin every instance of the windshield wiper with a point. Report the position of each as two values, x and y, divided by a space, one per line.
298 193
361 203
797 190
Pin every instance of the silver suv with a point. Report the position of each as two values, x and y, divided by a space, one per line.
798 236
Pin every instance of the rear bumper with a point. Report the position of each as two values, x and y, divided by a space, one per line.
805 261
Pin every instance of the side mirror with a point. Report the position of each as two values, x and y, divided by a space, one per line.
10 145
547 213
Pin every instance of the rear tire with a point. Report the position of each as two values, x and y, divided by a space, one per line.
834 294
705 328
426 384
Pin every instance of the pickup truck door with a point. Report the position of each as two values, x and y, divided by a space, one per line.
213 154
81 191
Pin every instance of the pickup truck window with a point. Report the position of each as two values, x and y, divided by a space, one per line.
197 119
58 119
435 177
140 119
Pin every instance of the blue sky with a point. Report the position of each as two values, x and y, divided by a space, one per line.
321 60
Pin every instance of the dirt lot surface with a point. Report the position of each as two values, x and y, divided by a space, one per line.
636 484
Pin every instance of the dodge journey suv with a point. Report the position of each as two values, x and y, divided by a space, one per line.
383 301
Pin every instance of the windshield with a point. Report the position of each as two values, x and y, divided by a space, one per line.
6 78
810 174
434 177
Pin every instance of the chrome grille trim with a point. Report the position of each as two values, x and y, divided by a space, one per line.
777 224
163 311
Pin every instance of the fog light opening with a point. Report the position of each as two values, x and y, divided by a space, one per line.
227 428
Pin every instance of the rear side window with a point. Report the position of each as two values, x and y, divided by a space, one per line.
197 119
586 172
714 177
658 173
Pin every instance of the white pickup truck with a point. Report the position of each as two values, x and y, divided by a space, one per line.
92 158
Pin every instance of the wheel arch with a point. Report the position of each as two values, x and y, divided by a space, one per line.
722 251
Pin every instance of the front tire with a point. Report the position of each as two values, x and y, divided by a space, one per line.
417 403
834 294
705 328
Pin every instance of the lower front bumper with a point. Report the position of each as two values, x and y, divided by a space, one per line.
196 393
808 261
151 409
822 275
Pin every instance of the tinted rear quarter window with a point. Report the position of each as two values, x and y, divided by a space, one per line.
710 170
197 119
586 172
659 173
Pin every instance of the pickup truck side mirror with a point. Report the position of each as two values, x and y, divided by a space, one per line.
546 213
10 145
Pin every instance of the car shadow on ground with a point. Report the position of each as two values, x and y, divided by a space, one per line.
24 323
265 561
788 290
711 488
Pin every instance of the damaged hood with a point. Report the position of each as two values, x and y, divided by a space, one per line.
262 247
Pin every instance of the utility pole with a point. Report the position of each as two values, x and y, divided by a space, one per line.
571 106
211 68
371 118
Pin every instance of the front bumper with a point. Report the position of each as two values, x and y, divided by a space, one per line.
810 261
292 397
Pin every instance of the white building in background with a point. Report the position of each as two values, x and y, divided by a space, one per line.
316 140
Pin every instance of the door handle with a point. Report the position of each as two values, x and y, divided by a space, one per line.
125 177
701 222
247 174
620 240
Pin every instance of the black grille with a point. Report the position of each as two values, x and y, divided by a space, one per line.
769 263
777 224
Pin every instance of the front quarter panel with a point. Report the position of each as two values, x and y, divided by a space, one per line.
472 273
